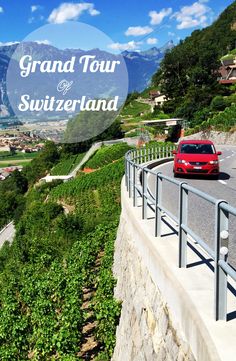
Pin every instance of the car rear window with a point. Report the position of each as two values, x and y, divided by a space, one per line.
197 149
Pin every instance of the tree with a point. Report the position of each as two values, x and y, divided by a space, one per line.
218 103
188 74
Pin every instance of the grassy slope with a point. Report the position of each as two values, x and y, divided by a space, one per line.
134 108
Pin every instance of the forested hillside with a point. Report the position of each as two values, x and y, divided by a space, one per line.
189 72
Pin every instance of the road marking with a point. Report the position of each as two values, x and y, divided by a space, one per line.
228 156
221 181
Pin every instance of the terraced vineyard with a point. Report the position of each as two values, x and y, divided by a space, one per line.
106 155
65 166
56 292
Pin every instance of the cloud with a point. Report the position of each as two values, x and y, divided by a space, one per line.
152 41
71 11
36 16
193 15
9 43
131 45
33 19
1 10
35 8
170 33
138 30
157 18
44 42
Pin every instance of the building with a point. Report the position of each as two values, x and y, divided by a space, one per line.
5 148
153 94
160 100
228 71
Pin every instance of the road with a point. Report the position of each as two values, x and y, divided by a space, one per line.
7 233
201 213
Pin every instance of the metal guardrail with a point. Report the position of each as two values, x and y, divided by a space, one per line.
135 165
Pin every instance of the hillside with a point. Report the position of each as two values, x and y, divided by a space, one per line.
56 280
142 65
189 72
107 154
67 164
138 108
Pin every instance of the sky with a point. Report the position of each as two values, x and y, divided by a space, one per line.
131 24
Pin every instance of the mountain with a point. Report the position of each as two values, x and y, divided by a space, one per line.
140 65
4 104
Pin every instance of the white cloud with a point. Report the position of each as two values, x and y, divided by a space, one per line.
1 9
71 11
157 18
152 41
193 15
9 43
35 8
45 42
138 30
35 16
170 33
131 45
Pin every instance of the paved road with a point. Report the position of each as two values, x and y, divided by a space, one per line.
201 214
7 233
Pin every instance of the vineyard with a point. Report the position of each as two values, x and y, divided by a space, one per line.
134 109
66 165
56 279
106 155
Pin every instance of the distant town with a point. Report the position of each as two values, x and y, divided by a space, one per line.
16 150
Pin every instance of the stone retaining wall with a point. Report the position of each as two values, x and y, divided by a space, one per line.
145 332
219 138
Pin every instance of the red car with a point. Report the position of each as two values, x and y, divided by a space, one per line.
196 157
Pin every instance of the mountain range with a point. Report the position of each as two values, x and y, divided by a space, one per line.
140 65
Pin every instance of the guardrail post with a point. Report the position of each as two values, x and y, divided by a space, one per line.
134 185
149 158
221 236
183 219
126 173
158 201
144 202
130 180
